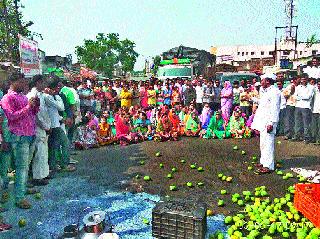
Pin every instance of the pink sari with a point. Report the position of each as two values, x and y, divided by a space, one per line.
122 129
143 97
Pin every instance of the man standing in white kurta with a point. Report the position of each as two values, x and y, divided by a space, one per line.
265 121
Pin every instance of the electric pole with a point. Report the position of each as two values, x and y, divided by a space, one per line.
290 12
287 42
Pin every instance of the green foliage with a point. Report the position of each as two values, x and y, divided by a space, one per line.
106 52
156 62
312 40
12 24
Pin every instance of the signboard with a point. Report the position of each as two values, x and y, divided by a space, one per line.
175 61
29 59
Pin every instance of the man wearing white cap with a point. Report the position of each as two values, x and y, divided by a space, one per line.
266 120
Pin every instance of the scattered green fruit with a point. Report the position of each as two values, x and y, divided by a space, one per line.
223 192
38 196
22 222
161 165
146 178
174 170
145 221
229 179
173 187
220 203
200 169
235 147
210 213
158 154
189 184
169 175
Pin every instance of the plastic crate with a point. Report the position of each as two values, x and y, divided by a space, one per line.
179 220
307 201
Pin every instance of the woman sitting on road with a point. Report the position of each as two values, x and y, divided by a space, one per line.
123 130
237 125
193 125
217 128
164 128
205 116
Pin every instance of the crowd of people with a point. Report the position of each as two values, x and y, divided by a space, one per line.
45 119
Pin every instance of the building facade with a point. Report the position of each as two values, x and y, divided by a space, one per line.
254 57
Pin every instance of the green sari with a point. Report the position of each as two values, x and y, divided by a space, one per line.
192 125
216 128
110 121
239 124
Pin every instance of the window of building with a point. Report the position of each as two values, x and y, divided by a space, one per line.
238 53
242 53
262 53
271 53
252 53
247 53
314 52
300 52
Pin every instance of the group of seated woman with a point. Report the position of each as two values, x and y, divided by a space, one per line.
164 123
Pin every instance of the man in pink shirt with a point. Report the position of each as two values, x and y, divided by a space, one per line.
21 115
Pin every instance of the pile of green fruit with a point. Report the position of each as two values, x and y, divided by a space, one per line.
263 218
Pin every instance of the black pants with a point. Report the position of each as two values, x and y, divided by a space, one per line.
280 127
315 127
289 121
302 121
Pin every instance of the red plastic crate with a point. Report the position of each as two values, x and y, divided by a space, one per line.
307 201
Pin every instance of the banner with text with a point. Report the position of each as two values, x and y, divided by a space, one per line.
29 59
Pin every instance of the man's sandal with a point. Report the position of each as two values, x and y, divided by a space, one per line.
262 170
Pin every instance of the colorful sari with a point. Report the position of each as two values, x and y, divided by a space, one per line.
226 101
216 129
238 128
122 128
163 129
175 121
192 125
205 117
110 121
143 98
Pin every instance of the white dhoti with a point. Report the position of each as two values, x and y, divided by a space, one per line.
267 149
40 166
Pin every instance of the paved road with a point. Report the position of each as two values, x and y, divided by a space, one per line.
100 182
99 170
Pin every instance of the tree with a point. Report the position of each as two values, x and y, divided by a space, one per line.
12 24
156 64
106 52
312 40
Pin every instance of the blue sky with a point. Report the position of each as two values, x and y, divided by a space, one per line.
158 25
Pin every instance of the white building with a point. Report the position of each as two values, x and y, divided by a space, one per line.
242 53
